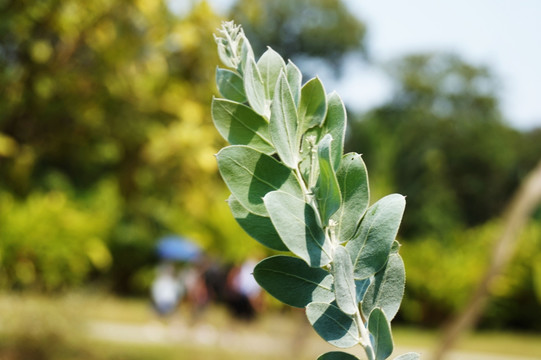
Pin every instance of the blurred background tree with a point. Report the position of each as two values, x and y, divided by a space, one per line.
303 29
115 93
443 134
106 144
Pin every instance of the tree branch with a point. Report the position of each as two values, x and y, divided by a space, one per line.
517 214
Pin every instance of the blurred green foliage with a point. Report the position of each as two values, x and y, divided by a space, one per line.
322 29
113 91
442 276
442 139
51 241
106 144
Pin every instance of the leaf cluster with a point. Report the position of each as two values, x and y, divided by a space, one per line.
292 189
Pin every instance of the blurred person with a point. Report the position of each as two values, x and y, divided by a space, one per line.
244 293
232 286
247 286
167 290
197 294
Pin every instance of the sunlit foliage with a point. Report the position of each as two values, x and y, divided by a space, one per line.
113 90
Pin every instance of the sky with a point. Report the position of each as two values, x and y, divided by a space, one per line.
504 35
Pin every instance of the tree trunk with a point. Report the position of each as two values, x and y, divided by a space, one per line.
517 214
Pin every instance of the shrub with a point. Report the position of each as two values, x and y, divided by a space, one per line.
50 241
293 190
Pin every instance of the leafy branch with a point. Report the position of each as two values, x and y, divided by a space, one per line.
292 189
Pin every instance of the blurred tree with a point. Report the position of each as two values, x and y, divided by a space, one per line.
439 141
51 242
323 29
84 86
116 90
458 264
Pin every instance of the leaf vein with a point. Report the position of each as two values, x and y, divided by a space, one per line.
268 141
297 277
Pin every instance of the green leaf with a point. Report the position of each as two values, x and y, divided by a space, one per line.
246 53
230 85
255 89
224 54
297 225
283 124
327 191
371 246
309 166
332 324
250 175
344 285
408 356
293 282
335 124
337 355
312 105
353 181
387 289
294 78
270 64
258 227
380 329
360 287
395 248
240 125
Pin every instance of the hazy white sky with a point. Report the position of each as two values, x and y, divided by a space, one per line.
503 34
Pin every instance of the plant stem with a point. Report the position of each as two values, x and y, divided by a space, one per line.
365 337
313 159
329 232
308 196
301 182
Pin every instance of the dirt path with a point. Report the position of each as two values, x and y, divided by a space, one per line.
176 332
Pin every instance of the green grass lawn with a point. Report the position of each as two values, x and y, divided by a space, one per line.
56 328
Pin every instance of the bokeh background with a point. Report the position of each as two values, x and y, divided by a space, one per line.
106 146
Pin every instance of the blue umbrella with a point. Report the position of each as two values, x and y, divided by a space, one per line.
177 248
